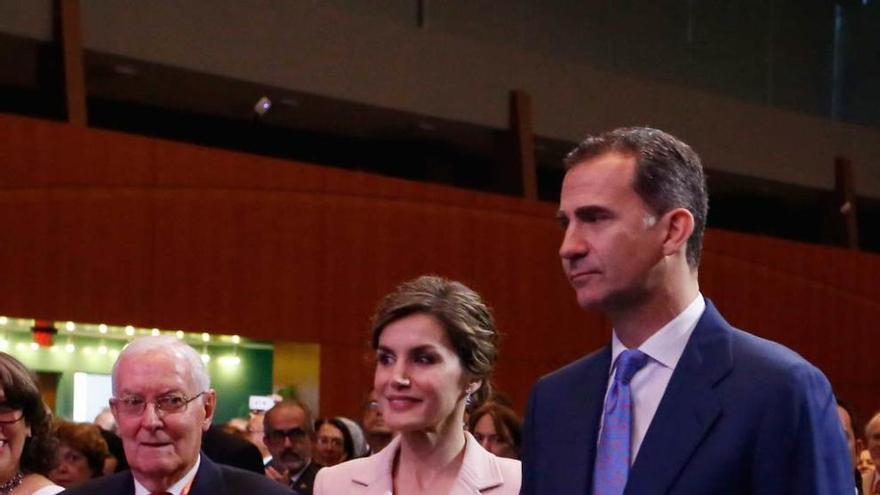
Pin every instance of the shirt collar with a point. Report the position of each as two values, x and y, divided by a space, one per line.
174 489
667 344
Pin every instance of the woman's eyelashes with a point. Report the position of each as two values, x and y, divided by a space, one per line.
425 357
418 356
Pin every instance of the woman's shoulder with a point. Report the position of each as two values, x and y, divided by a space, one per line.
346 476
37 484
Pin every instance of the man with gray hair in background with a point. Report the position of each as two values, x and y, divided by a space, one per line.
162 402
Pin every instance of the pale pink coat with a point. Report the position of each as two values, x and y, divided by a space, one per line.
481 473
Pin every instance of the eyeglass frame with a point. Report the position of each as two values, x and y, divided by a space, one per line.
116 401
12 410
293 434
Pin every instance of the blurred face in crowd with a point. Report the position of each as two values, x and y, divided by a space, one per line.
865 464
496 442
13 432
419 377
329 445
161 446
73 467
846 422
286 436
872 436
374 419
612 241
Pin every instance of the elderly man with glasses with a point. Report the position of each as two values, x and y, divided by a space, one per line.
162 403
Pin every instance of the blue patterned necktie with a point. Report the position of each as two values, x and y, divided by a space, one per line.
613 455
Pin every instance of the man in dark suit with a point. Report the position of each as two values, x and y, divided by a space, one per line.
288 430
693 405
162 403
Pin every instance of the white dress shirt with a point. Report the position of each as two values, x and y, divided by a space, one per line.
648 385
176 488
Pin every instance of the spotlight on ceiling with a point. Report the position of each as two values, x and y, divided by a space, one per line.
263 105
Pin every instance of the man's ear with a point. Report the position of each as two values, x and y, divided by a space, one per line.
679 224
210 404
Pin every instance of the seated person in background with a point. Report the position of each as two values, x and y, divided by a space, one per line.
105 420
231 449
497 428
333 442
81 453
288 432
115 460
871 481
846 421
28 450
865 464
435 345
162 402
358 441
237 425
377 433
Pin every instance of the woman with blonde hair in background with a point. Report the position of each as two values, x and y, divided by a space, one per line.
435 343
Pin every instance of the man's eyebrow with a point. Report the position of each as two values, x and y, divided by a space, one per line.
590 211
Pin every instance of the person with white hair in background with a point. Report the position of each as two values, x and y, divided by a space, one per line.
162 402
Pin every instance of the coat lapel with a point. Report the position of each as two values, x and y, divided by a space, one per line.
479 469
688 408
208 479
587 406
375 472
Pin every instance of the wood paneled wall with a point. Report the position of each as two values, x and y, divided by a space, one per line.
104 226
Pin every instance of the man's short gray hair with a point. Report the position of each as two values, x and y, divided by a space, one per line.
171 346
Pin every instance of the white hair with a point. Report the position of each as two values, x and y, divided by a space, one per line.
171 346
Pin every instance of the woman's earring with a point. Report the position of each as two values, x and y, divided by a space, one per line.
468 399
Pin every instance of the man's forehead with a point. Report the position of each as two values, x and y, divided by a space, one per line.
598 180
286 417
154 371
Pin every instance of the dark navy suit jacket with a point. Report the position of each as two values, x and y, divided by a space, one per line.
211 479
741 415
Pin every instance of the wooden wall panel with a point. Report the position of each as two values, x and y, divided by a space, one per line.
103 226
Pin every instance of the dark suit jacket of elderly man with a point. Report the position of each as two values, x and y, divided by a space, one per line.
741 416
211 479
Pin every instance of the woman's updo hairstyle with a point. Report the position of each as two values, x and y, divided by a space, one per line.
459 310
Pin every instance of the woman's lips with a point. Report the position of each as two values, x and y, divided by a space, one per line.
402 403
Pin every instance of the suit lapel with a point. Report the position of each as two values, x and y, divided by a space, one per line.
479 469
208 480
375 473
688 408
587 407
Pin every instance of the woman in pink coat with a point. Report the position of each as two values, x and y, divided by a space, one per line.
435 344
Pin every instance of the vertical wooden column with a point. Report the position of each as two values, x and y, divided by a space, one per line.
524 141
845 194
68 13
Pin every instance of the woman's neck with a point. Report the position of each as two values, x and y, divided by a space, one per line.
426 457
8 473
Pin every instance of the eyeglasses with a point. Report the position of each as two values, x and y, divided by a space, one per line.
10 414
294 434
134 405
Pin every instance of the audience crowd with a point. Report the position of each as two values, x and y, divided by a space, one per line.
431 424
